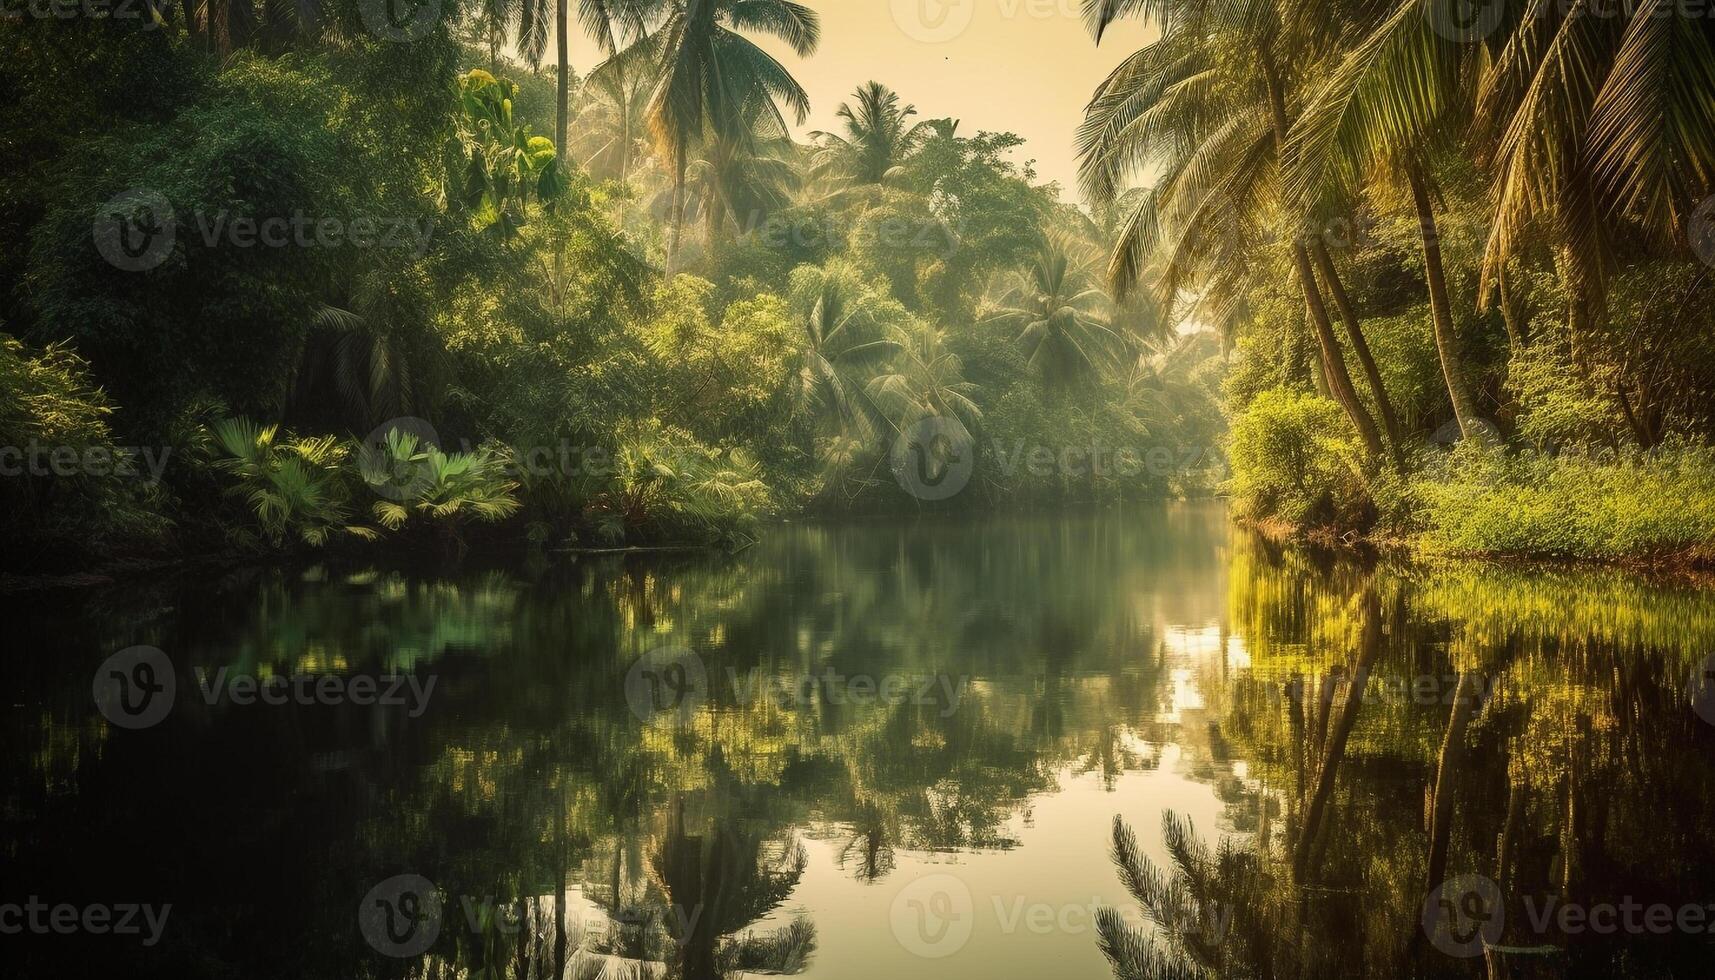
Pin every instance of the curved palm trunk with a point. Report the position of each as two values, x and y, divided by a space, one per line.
1446 771
1333 359
1441 310
1361 347
1369 648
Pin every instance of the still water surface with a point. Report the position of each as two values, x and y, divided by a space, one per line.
960 750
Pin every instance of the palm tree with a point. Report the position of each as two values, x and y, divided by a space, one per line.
1588 122
744 174
842 338
713 79
614 115
609 22
1060 315
523 21
879 136
1208 101
1371 113
925 380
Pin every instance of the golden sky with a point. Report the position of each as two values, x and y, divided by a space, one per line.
1024 66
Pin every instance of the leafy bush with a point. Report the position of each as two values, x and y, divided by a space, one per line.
307 489
665 485
296 489
48 405
418 480
1295 458
1627 505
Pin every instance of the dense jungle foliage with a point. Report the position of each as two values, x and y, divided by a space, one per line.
396 285
1444 280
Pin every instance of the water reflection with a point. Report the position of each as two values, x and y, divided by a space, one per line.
1252 761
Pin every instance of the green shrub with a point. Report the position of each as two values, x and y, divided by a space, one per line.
1627 505
65 488
417 481
309 489
665 485
1295 458
297 490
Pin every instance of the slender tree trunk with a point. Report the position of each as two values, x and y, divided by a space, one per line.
625 145
1446 772
1515 315
1333 359
1441 309
562 93
678 207
1295 366
1517 794
1360 347
1369 648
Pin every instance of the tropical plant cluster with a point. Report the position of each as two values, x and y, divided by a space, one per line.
636 305
1422 227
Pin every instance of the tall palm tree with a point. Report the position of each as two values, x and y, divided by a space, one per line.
842 339
1588 122
712 78
879 136
614 115
744 175
1061 316
1208 101
925 380
609 22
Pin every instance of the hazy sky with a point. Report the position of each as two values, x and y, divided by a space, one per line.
1025 66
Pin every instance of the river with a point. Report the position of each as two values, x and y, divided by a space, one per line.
886 749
